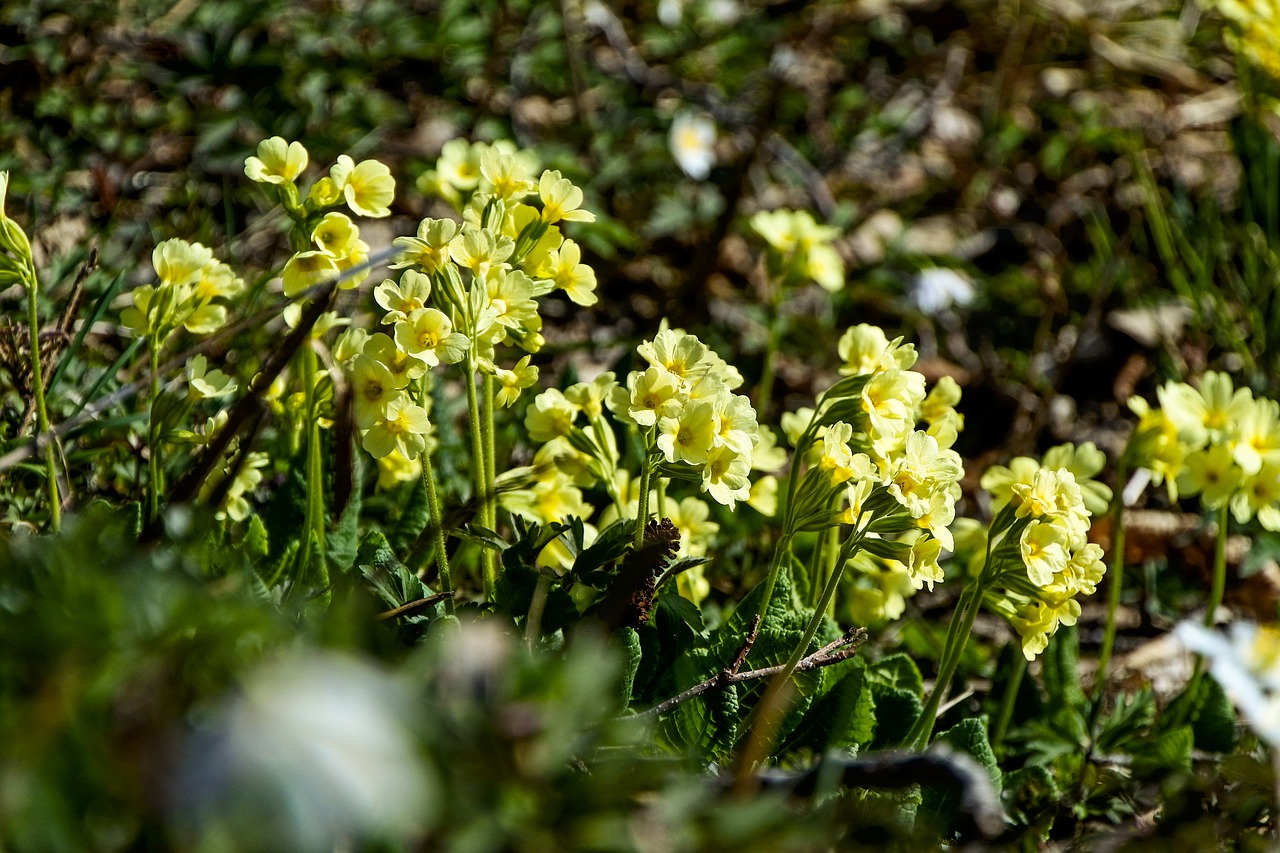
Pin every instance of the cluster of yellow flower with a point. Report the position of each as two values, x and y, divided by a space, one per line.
466 288
874 469
1042 558
801 249
1217 441
1257 30
191 283
333 243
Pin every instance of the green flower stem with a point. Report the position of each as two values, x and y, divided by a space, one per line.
1216 590
313 526
42 413
780 553
490 473
1009 699
478 467
762 724
1117 580
642 504
437 527
952 650
154 469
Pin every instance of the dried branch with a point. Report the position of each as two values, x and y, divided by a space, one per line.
832 653
414 605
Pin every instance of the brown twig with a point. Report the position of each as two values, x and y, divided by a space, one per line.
414 605
832 653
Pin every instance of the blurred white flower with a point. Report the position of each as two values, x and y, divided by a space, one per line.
670 12
1246 662
316 749
692 142
938 288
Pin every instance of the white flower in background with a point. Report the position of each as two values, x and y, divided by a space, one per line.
316 749
1246 662
670 12
692 142
938 288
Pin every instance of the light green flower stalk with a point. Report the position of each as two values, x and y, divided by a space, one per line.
18 267
485 276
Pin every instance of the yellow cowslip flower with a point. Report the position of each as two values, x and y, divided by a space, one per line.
885 598
561 200
216 280
1037 621
890 400
1257 435
922 565
395 468
427 334
856 494
402 298
551 416
1044 549
937 518
553 499
372 389
726 476
681 355
591 396
507 175
350 344
430 249
292 314
1155 445
511 300
235 505
941 400
1205 415
735 423
652 395
480 251
1084 570
767 455
523 223
368 186
512 382
837 458
1211 473
404 367
1259 495
178 262
336 234
278 162
206 384
403 427
560 456
306 270
823 265
692 517
565 268
459 165
998 480
865 349
764 496
921 469
16 265
689 435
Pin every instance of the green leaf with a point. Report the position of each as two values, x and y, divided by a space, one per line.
896 712
1061 669
343 541
612 543
970 737
256 544
1214 724
1130 717
1029 791
899 672
1170 751
630 639
413 520
390 579
842 718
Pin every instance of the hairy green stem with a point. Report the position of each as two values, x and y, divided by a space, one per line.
642 503
313 526
42 413
437 527
490 474
478 466
154 469
1009 699
764 395
1117 581
957 635
1217 588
